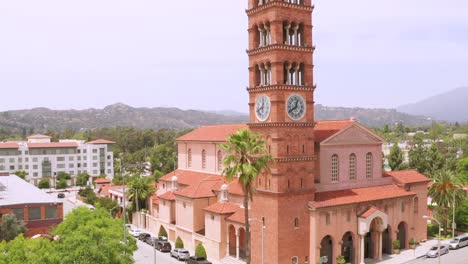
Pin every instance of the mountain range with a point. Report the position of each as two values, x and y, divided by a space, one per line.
43 119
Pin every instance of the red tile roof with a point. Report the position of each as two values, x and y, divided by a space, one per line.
9 145
238 216
53 145
102 180
326 128
186 177
168 196
39 136
104 190
351 196
202 189
155 198
407 176
101 141
369 212
234 187
222 208
218 133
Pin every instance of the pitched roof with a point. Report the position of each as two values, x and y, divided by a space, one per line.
407 176
359 195
238 216
102 180
186 177
155 198
104 190
202 189
53 145
9 145
326 128
217 133
101 141
234 187
222 208
168 196
369 212
39 136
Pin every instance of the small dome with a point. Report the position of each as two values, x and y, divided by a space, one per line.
224 187
174 178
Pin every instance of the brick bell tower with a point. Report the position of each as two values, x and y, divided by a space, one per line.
281 105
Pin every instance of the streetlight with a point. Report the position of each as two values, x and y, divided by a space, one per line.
454 225
263 236
438 241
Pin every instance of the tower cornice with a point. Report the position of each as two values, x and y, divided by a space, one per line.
267 88
281 47
281 124
279 4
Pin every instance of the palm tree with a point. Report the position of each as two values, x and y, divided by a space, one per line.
246 157
446 190
140 188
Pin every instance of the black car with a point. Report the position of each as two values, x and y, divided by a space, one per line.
61 195
163 246
143 236
197 260
151 240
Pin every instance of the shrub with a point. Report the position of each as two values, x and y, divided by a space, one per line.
200 251
179 243
62 184
340 260
412 241
44 184
396 244
162 232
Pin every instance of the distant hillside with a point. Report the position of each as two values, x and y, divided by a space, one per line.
450 106
43 119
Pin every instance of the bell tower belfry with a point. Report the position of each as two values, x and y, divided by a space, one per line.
281 105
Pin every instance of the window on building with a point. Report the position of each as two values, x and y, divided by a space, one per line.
294 260
352 166
34 159
34 213
71 158
369 165
189 158
12 160
94 150
95 157
296 222
402 206
51 212
35 174
35 167
327 218
19 213
203 158
60 158
220 160
416 206
348 215
12 167
60 166
334 168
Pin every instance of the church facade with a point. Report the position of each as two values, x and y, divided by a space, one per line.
326 194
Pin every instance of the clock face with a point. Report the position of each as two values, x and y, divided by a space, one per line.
296 107
262 107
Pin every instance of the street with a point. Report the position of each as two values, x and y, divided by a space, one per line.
456 256
145 255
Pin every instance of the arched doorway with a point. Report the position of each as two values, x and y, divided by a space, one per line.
368 246
326 248
387 241
242 243
402 234
232 241
347 248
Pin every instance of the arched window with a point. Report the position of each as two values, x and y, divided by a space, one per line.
203 159
402 206
220 160
189 158
327 219
295 260
369 165
334 168
416 206
352 166
296 222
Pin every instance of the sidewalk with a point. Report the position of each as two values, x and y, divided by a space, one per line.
408 254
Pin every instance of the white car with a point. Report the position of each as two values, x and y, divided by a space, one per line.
180 254
459 241
135 232
434 251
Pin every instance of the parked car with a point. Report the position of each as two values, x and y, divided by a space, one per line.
197 260
163 246
434 251
180 253
151 240
459 241
135 232
61 195
143 236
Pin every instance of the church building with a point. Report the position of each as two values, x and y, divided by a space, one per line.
326 194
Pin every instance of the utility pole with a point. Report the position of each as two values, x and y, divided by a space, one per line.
454 225
122 172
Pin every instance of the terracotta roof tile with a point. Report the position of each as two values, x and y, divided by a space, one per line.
104 190
187 177
222 208
234 187
407 176
168 196
9 145
351 196
102 180
53 145
202 189
39 136
238 216
369 212
217 133
326 128
155 198
101 141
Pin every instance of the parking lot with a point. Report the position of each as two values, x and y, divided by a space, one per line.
456 256
145 255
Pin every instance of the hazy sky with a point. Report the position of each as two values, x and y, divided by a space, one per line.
78 54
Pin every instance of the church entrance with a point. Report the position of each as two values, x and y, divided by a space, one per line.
402 234
326 249
387 241
232 241
368 246
347 248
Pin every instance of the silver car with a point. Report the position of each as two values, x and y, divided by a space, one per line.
434 251
459 241
180 253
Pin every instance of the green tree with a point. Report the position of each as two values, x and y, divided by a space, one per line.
418 156
461 215
82 179
445 190
63 176
21 174
395 158
179 243
436 160
44 183
106 203
200 251
140 188
246 157
33 251
162 232
11 227
117 180
462 169
61 184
